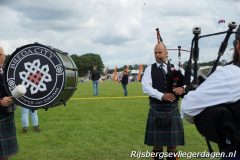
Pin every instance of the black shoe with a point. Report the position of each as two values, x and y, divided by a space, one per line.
25 129
172 158
36 128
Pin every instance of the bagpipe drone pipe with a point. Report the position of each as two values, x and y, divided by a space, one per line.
175 77
219 124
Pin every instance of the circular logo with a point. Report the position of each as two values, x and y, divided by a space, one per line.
40 70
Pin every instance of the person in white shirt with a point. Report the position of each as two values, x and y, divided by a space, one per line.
220 87
164 125
214 105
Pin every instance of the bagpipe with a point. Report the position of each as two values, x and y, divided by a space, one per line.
194 55
179 49
175 77
218 123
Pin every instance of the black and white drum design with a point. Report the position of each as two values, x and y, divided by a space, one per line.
49 75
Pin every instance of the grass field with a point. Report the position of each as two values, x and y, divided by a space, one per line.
107 127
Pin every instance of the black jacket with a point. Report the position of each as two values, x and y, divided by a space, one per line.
4 111
124 79
95 75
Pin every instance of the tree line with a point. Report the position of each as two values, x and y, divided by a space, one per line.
85 63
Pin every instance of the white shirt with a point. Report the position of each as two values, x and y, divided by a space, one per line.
147 83
223 86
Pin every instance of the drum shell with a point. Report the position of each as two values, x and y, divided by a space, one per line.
71 77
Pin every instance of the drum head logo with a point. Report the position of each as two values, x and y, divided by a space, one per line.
40 70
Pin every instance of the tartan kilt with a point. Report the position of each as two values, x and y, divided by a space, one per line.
171 135
8 140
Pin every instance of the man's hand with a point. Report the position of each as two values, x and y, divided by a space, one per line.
179 90
6 101
168 97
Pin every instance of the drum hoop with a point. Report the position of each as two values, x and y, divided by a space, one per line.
56 53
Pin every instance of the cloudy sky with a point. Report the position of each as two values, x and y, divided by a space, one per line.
120 31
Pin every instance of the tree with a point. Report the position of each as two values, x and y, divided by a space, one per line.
136 66
86 62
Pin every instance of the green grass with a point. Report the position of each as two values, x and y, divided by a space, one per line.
89 129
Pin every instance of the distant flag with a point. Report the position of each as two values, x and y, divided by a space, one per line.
140 72
221 21
115 76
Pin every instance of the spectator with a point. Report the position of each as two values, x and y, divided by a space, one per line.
25 120
95 79
124 82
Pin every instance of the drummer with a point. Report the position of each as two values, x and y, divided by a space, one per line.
8 145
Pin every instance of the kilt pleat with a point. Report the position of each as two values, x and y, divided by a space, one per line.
8 140
171 135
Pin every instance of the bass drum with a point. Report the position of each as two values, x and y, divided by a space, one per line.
49 75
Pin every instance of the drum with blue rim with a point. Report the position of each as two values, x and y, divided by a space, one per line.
49 75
